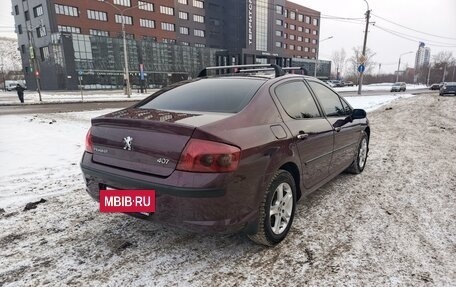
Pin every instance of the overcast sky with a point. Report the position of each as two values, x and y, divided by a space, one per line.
436 17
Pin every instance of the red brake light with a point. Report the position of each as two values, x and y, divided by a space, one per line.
88 142
208 156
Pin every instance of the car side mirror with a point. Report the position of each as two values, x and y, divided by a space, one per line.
359 114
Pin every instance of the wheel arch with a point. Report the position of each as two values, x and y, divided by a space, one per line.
294 171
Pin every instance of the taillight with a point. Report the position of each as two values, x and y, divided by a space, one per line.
88 142
209 156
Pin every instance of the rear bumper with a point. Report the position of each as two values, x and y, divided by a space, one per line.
221 203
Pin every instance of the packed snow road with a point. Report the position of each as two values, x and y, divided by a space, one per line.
392 225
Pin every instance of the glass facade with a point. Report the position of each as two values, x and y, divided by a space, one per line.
100 60
262 25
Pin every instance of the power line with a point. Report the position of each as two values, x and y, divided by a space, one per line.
450 38
413 38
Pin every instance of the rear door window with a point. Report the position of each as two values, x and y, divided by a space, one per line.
223 95
297 100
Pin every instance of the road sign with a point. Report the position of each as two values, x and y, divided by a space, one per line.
361 68
80 73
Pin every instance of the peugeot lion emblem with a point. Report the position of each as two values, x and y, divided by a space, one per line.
128 142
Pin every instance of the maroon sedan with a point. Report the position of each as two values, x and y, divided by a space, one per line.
228 153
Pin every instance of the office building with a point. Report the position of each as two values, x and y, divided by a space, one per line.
62 41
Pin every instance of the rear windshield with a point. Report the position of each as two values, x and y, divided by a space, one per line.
223 95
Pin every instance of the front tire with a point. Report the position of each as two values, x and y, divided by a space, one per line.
276 210
359 162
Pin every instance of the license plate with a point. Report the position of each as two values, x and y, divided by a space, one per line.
123 200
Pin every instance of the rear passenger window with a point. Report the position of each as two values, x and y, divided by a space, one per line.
329 100
297 100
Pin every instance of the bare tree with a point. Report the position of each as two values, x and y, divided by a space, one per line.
355 60
10 58
339 58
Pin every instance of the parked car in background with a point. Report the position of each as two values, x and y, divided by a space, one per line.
348 83
399 87
10 85
228 153
448 88
435 87
335 83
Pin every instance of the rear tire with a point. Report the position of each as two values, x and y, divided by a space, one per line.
359 162
276 210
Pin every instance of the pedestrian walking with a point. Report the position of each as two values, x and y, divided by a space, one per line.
20 93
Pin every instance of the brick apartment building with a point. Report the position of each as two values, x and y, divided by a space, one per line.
170 39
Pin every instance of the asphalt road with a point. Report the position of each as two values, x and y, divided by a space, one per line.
62 108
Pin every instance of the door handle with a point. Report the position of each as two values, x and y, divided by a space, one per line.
337 129
302 136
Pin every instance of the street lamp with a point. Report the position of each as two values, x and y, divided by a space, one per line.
316 61
399 64
122 11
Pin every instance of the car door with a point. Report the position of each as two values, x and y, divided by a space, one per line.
313 135
346 132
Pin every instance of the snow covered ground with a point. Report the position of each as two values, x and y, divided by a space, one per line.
378 87
393 225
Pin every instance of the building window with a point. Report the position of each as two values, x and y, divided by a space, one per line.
199 45
145 6
300 38
307 30
19 29
183 15
27 15
292 15
66 10
198 3
95 32
169 41
185 43
285 25
315 32
279 22
44 53
299 48
284 45
279 33
292 37
41 31
314 41
123 3
285 35
299 28
313 50
307 19
97 15
278 44
69 29
307 40
306 49
128 20
198 33
147 23
198 18
184 30
185 2
38 11
16 10
300 17
166 10
292 27
291 47
279 9
315 21
167 26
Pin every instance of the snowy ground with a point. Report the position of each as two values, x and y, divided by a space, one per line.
393 225
378 87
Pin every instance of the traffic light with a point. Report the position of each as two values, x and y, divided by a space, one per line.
37 73
32 52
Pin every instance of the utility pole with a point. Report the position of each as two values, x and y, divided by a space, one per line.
363 56
429 74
